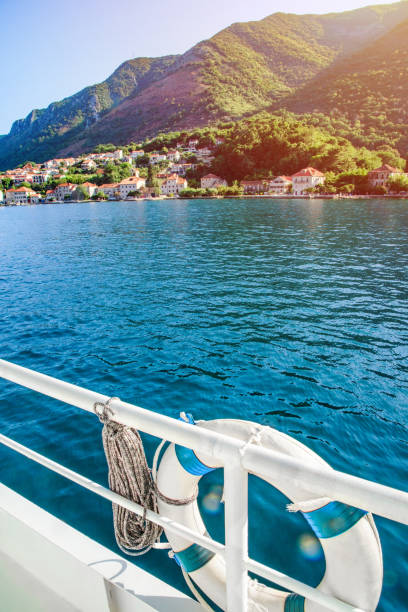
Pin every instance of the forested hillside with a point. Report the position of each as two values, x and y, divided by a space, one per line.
301 62
367 92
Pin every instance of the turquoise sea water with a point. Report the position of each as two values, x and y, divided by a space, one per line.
293 314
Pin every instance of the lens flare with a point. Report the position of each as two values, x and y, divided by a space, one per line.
310 547
212 500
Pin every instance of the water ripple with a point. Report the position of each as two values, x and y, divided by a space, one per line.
293 314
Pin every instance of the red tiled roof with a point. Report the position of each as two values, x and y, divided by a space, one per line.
308 172
212 176
131 180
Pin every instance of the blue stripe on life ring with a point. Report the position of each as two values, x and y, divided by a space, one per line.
294 603
193 557
333 519
190 462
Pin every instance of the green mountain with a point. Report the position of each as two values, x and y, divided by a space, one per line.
244 69
43 133
368 91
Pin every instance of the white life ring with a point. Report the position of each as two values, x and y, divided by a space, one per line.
348 536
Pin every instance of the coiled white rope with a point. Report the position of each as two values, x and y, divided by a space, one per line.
131 477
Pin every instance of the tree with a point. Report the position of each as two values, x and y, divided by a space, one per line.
5 182
152 181
99 195
114 173
378 190
105 148
81 193
143 161
398 184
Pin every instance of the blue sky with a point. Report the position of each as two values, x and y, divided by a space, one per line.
50 50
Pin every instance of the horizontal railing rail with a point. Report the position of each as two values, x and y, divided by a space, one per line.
238 459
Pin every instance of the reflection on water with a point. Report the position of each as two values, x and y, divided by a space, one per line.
290 313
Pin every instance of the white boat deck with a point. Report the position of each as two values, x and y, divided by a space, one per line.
47 566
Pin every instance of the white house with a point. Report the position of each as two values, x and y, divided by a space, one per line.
280 185
133 183
212 180
204 152
1 196
380 176
22 177
64 189
138 153
111 190
88 164
156 158
90 188
192 145
22 195
181 168
40 178
173 155
174 184
306 179
257 186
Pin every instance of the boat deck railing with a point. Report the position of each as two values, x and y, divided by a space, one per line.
239 458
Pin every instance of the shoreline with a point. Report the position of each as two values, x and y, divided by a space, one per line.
236 197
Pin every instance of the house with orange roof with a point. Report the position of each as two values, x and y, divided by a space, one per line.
212 180
137 153
88 164
90 188
39 178
111 190
21 195
133 183
174 184
257 186
156 158
22 177
380 176
280 185
64 190
306 178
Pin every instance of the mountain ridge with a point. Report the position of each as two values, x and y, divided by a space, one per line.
243 69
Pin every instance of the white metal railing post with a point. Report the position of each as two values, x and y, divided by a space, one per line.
236 535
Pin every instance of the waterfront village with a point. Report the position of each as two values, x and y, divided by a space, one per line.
124 174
